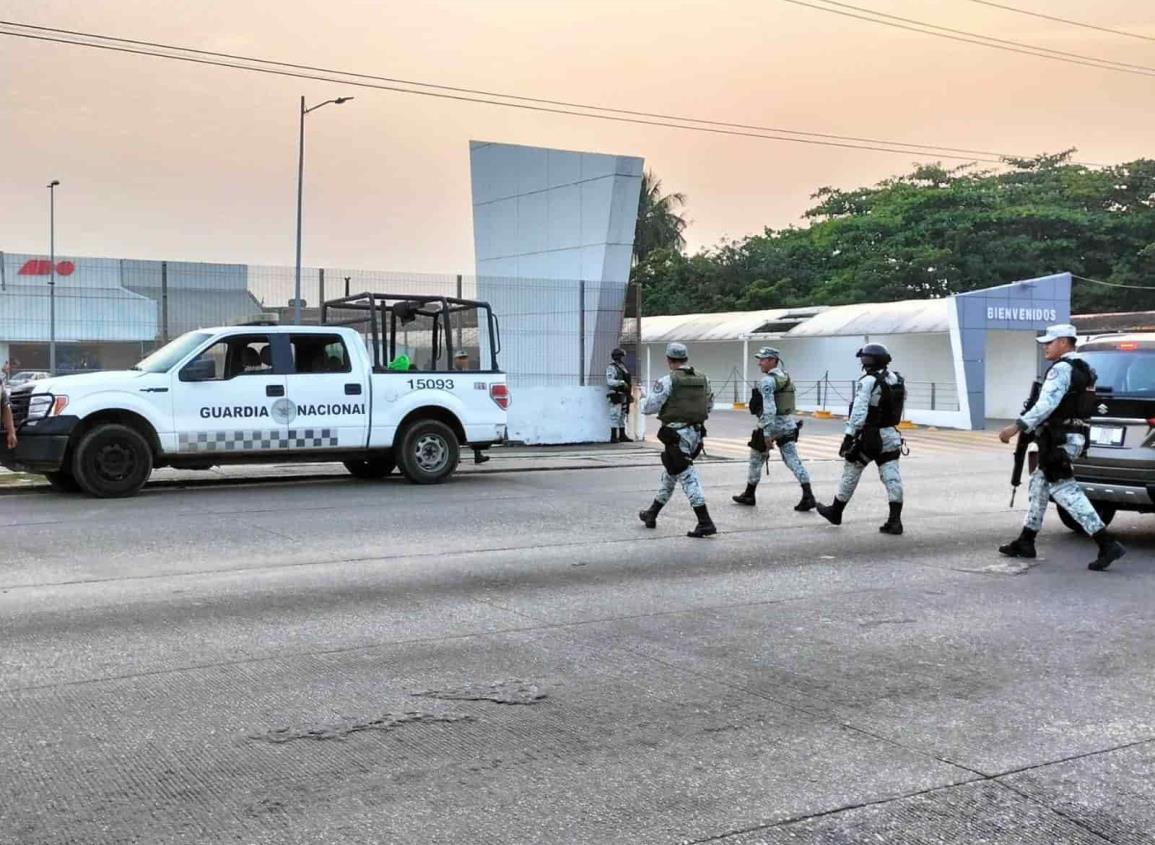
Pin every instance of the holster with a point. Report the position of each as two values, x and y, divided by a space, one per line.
758 441
1053 458
673 458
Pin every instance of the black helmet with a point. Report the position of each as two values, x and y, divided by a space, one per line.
617 353
874 356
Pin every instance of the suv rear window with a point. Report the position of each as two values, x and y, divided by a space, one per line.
1124 372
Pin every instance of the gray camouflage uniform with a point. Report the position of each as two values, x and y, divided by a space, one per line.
775 425
866 395
617 412
1067 493
690 439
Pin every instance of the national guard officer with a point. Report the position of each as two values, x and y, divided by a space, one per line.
682 400
1061 419
772 402
618 381
871 435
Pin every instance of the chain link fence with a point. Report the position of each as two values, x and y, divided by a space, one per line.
108 313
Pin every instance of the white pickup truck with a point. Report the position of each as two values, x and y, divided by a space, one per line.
386 381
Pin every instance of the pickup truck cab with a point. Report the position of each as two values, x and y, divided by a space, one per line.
403 382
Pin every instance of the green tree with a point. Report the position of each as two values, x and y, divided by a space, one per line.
934 232
660 224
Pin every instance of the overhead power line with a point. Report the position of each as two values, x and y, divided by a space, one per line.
912 25
95 40
310 72
1065 20
1113 284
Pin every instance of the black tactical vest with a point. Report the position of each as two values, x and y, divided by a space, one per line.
891 399
1079 401
624 375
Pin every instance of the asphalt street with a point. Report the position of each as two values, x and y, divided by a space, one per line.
512 657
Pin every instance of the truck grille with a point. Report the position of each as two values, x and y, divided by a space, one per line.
20 399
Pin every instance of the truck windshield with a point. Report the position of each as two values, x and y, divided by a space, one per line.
1127 372
163 359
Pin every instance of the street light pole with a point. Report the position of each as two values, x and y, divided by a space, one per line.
300 192
52 275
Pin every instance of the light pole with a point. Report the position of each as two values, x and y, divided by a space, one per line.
52 275
300 189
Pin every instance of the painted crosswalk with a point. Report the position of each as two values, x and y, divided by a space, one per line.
922 443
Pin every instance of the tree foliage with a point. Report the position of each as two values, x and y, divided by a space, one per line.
660 224
933 232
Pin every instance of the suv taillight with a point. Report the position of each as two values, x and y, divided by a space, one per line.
499 393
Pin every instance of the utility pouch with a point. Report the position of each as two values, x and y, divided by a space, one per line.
871 440
1053 458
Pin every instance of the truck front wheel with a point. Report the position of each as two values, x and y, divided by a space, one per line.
112 461
428 452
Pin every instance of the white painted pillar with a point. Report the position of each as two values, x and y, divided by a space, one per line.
745 363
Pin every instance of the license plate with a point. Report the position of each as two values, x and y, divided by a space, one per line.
1106 435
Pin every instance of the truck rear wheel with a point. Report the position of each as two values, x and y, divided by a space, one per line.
428 452
372 468
112 461
1106 513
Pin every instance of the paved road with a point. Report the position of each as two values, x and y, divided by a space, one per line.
511 657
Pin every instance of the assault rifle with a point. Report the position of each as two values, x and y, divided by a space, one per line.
1024 440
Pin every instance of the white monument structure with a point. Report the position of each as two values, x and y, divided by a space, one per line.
563 222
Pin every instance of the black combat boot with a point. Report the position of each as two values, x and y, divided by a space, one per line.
746 498
613 435
893 524
622 436
1021 546
832 513
1110 550
808 501
705 526
650 515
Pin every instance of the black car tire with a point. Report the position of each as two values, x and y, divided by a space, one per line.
372 468
428 452
1106 513
62 481
112 461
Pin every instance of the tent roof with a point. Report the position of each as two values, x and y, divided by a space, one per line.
727 325
910 316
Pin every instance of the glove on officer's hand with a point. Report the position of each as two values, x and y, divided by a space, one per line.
847 445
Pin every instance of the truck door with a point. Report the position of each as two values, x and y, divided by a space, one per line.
330 392
231 397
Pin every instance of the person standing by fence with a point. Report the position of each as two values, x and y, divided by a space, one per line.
618 380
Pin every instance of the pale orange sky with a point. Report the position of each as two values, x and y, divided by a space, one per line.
159 159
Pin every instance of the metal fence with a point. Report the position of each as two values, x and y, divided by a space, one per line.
836 394
108 313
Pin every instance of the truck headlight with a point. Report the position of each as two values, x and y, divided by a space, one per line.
42 405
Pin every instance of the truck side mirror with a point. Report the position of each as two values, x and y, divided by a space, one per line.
200 369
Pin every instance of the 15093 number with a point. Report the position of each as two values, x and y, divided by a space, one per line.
431 383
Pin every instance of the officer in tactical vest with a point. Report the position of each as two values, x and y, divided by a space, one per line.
618 381
682 400
871 435
772 402
1060 419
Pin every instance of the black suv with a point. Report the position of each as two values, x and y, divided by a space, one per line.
1118 471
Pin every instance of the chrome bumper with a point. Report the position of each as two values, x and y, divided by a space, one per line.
1122 494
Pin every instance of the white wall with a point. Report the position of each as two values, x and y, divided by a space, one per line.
1011 365
539 415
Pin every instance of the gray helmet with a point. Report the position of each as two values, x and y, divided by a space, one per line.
768 352
677 351
617 353
874 356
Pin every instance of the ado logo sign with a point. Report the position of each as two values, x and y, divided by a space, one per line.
43 267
